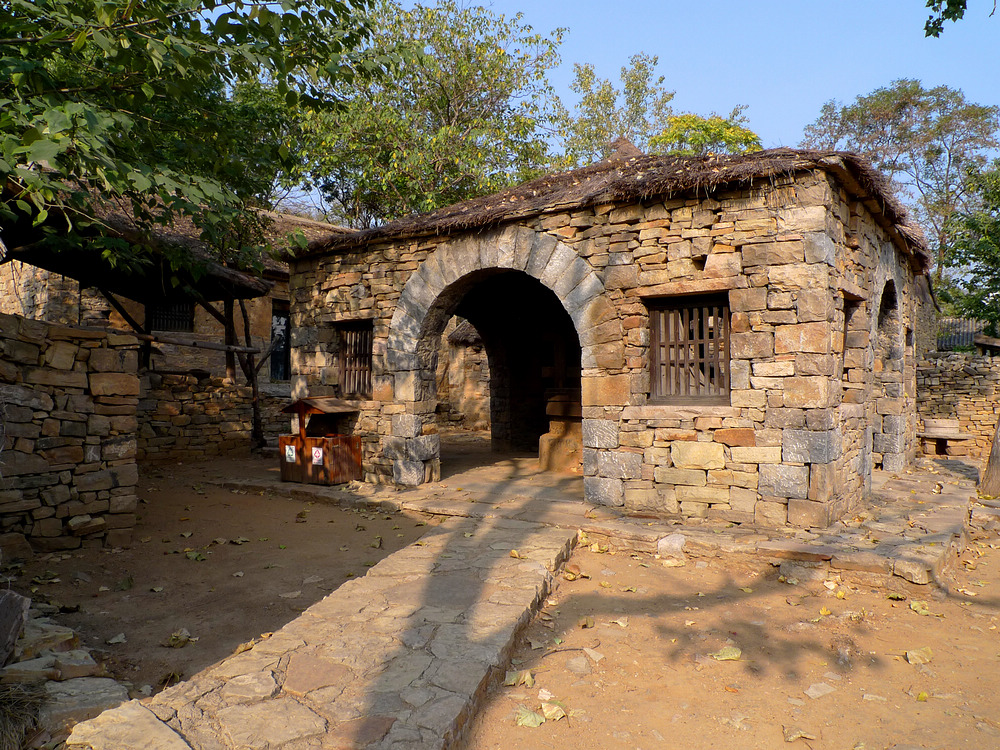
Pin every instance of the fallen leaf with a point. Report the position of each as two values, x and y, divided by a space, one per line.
824 611
595 656
239 540
195 555
186 534
920 607
220 540
586 622
124 584
731 689
156 589
290 594
599 549
525 717
604 585
179 639
517 677
896 597
553 711
746 589
922 696
727 653
116 639
238 574
794 733
629 590
515 554
621 622
920 655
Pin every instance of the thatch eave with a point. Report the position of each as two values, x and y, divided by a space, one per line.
642 179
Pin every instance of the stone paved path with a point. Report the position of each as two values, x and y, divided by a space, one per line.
396 659
399 658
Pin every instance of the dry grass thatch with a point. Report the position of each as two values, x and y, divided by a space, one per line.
19 704
645 178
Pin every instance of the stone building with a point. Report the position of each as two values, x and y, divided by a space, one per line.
737 333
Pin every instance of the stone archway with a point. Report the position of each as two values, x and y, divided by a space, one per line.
432 294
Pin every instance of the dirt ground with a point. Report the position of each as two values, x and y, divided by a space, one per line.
631 650
821 664
223 565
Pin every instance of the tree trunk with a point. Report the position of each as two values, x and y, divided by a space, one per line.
990 483
230 328
250 369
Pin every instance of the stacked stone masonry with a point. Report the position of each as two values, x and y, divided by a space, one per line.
67 471
821 354
182 418
962 387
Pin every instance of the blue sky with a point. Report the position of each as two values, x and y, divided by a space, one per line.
783 58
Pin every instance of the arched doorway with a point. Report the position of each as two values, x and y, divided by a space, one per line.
538 308
889 428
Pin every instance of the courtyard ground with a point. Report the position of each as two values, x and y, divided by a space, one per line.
637 654
719 653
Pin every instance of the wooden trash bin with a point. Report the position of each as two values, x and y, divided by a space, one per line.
319 459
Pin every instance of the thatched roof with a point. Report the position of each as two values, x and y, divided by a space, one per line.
645 178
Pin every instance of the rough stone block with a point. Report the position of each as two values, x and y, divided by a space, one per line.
672 476
809 392
113 384
604 491
407 385
645 500
695 455
600 433
408 473
752 345
756 455
780 480
610 390
742 500
619 465
739 436
802 337
770 513
796 276
425 447
806 514
819 248
748 300
891 443
810 447
406 425
77 700
707 494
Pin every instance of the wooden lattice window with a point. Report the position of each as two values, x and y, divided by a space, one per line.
170 316
355 362
689 349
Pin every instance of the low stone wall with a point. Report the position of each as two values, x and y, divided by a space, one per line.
962 387
68 399
183 418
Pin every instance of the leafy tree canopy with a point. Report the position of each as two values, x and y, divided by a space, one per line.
975 250
638 110
693 135
165 107
460 118
927 140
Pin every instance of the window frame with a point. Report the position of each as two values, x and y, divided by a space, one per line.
355 356
176 316
673 361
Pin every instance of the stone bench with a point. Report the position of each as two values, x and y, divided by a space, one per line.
944 437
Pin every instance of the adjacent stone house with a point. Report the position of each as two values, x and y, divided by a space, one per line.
737 333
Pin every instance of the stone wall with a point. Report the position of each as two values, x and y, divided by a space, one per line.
183 418
820 357
963 387
68 463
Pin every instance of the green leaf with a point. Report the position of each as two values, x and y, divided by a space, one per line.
525 717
